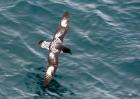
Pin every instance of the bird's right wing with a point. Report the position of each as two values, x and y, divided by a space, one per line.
52 66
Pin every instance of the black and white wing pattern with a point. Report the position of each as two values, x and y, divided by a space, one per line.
55 48
63 27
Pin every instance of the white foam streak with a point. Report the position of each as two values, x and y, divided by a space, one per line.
33 50
22 93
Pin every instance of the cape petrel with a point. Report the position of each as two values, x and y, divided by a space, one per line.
55 47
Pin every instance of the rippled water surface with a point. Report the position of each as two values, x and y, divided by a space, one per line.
104 36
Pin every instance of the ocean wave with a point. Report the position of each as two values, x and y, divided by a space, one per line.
103 37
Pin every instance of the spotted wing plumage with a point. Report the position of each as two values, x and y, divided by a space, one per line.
63 27
52 66
54 51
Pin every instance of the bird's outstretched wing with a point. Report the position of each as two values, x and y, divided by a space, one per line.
63 27
52 66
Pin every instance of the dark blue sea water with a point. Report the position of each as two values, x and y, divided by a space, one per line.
104 37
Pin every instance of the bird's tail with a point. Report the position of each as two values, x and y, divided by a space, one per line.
44 44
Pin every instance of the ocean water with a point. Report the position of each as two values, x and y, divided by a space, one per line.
104 37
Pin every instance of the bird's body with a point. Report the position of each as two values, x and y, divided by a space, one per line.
55 47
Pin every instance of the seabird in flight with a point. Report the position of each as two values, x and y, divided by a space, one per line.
55 47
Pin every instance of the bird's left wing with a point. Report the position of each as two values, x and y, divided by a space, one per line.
63 27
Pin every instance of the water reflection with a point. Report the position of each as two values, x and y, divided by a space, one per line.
34 83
